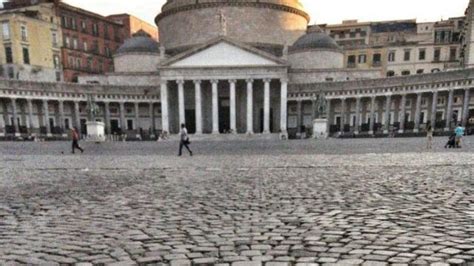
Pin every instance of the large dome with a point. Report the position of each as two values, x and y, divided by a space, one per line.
139 43
263 23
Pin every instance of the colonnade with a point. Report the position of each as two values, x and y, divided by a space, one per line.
400 109
11 115
233 104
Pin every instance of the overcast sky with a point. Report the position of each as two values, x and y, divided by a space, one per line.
321 11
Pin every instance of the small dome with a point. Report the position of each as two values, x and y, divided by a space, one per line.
315 39
141 42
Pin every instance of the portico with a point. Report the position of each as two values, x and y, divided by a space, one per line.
215 95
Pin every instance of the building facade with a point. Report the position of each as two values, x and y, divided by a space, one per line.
133 25
31 39
261 79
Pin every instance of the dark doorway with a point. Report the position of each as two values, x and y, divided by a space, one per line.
224 115
83 126
114 126
190 116
262 114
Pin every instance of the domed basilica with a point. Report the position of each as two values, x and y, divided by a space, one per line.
255 67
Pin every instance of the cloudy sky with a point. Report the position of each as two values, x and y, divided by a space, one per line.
321 11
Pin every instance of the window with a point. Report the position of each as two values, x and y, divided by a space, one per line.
73 24
11 72
9 55
58 76
67 42
24 33
130 124
405 72
107 51
406 56
89 63
75 44
78 63
26 56
437 54
377 59
85 46
362 59
66 123
54 37
56 61
351 60
84 26
6 30
106 32
422 55
452 53
391 56
420 71
390 73
95 29
441 100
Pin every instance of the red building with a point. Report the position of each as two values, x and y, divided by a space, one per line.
133 25
89 42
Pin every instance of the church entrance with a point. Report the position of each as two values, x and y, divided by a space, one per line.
224 115
190 116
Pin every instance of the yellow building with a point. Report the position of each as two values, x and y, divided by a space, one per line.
31 41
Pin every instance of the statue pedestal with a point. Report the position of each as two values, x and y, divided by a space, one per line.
95 132
320 129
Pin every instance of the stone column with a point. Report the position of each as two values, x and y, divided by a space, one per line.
2 122
465 109
249 106
284 107
198 96
403 111
266 106
108 127
182 114
357 116
61 118
15 117
388 107
164 106
434 108
123 122
215 107
343 115
77 115
329 116
29 102
372 115
151 114
46 118
137 120
417 113
299 119
449 110
233 107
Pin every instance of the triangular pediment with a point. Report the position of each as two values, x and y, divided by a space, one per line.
223 53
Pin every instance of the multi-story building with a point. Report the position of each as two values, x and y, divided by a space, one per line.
132 25
88 39
400 48
31 40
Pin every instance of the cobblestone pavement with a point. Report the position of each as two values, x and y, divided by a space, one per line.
292 203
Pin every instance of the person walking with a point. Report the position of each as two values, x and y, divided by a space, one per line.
429 137
459 131
184 140
75 140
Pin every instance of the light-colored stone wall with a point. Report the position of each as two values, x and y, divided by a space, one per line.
316 59
247 24
136 62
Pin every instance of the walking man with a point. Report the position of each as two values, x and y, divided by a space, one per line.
429 137
75 140
184 140
459 134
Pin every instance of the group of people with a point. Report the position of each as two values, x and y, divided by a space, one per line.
454 140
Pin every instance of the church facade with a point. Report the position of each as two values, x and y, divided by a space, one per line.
242 68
